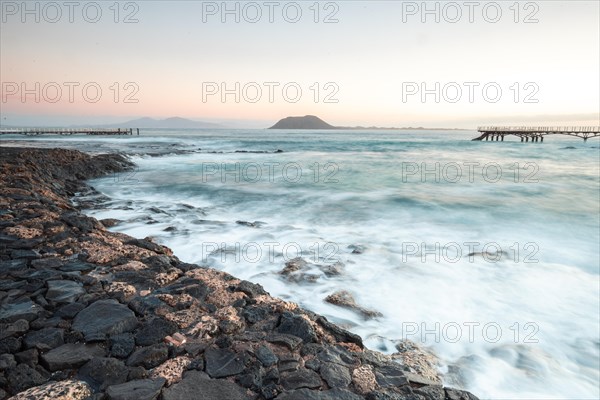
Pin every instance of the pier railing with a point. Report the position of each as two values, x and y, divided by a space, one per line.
536 133
67 131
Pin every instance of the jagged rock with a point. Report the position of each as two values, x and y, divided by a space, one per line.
26 310
23 377
7 361
343 298
10 345
391 375
69 310
104 317
431 392
121 345
288 362
335 375
364 379
171 370
63 390
142 389
149 357
194 383
297 325
27 357
154 331
340 334
303 378
44 339
266 356
222 362
16 328
306 394
452 394
102 372
71 355
251 289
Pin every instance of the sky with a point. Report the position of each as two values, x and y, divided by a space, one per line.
247 64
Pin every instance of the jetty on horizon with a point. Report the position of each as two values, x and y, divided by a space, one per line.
70 131
535 133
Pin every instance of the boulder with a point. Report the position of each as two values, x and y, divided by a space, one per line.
294 324
63 390
26 310
103 318
222 362
141 389
195 385
71 356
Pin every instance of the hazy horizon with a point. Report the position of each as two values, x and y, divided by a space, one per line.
351 63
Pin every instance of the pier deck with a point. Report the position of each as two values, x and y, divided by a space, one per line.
68 132
536 133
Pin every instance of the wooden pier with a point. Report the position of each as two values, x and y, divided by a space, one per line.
536 133
68 132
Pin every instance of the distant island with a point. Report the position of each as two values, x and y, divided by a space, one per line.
314 122
306 122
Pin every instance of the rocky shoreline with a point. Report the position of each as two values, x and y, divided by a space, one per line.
88 313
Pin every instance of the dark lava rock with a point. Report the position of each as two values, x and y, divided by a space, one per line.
303 378
251 289
142 389
335 375
340 334
10 345
146 244
391 375
431 392
254 314
452 394
100 373
17 328
69 310
222 362
28 357
296 325
104 317
7 361
71 355
121 345
333 394
110 222
23 377
75 266
26 310
154 331
149 357
81 222
290 341
44 339
266 356
195 386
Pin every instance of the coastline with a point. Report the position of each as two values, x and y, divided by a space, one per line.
105 315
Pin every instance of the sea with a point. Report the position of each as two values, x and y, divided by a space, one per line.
485 253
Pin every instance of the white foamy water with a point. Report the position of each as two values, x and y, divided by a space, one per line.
525 325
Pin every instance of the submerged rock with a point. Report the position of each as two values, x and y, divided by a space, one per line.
345 299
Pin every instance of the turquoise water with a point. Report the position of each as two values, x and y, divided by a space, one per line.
517 319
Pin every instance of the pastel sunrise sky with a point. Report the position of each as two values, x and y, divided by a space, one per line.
355 62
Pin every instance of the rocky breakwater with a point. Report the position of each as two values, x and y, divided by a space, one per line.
86 313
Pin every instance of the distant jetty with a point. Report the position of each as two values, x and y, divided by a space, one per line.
68 132
535 133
